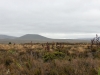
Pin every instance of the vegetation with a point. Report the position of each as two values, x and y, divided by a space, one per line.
49 59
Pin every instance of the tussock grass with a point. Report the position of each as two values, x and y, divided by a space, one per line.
74 59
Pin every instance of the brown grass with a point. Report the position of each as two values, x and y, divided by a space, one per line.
29 60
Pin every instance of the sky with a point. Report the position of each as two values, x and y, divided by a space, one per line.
50 18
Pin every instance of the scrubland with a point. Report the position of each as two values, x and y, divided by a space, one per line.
49 59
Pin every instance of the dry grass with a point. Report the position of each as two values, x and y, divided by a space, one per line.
67 60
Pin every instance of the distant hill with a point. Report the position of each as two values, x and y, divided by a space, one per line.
36 38
7 37
85 38
33 37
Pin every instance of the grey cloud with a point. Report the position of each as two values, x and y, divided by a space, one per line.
19 17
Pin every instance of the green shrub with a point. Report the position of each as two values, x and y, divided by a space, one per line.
9 43
59 54
48 57
54 55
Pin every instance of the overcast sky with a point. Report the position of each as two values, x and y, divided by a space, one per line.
51 18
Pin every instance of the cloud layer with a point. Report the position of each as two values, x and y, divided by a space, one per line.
51 18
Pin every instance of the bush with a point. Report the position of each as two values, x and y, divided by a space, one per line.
59 54
51 56
9 43
48 57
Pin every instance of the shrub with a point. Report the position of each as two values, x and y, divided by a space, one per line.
59 54
48 57
54 55
9 43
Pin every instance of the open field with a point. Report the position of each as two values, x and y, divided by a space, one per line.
18 41
49 59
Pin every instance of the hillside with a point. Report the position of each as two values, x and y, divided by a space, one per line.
33 37
7 37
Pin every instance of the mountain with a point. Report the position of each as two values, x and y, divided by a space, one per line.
7 37
33 37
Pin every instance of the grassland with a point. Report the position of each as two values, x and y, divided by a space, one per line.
49 59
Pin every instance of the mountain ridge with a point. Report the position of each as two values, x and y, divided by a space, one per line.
36 38
33 37
2 36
